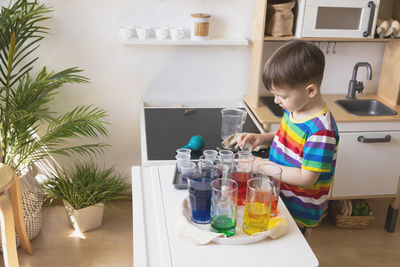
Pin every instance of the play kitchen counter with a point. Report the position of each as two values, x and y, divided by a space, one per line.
156 204
267 119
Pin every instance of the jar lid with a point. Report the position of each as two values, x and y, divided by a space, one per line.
200 15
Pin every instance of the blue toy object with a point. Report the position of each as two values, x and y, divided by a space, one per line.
196 143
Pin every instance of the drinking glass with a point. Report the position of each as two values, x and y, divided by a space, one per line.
274 174
232 121
227 161
200 199
210 168
183 151
258 205
242 171
188 170
180 159
223 206
210 154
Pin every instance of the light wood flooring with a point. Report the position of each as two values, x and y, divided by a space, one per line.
111 245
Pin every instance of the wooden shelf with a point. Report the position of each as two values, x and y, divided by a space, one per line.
324 39
187 41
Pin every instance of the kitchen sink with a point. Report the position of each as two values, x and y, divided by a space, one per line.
365 107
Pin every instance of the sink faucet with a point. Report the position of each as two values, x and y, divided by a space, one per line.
355 86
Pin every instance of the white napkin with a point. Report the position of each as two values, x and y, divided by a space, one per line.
190 233
198 234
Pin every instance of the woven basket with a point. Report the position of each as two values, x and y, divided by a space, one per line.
342 221
32 200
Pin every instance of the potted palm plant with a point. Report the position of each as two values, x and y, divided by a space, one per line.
85 189
25 98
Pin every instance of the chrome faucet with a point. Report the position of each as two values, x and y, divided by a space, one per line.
355 86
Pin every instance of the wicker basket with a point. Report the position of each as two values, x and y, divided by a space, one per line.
342 221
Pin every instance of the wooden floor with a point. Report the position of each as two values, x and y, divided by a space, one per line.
56 245
111 245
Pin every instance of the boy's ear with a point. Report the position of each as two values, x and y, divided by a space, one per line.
311 90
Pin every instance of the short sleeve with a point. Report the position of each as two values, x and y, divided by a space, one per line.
319 151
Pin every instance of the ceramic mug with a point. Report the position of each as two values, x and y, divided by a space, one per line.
126 32
143 32
177 33
162 33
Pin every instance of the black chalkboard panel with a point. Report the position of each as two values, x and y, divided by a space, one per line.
168 129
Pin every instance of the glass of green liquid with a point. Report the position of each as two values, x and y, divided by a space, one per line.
224 206
257 209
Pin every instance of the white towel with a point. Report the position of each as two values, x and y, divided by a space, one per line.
198 234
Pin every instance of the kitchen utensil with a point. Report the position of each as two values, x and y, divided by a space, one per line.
196 143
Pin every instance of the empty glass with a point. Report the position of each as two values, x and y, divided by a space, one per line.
183 151
274 174
188 170
258 205
210 154
242 171
210 168
232 121
180 159
223 206
227 161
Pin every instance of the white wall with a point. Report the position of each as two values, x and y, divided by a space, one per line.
84 33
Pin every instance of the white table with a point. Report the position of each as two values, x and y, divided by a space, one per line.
155 207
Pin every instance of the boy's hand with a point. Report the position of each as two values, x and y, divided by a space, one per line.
249 140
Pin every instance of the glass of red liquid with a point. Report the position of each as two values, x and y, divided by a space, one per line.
274 174
242 171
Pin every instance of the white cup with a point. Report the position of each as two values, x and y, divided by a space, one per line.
143 32
162 33
177 33
126 32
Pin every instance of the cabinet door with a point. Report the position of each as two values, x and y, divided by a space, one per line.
367 168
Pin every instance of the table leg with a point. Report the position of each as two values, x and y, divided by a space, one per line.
393 213
8 232
16 202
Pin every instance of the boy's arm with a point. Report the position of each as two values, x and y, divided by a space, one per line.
267 138
299 177
293 175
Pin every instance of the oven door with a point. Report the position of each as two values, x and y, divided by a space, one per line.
339 18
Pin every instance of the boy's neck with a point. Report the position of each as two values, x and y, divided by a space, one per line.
315 105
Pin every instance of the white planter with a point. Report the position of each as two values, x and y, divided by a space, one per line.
85 219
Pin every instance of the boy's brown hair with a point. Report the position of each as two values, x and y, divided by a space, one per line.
296 63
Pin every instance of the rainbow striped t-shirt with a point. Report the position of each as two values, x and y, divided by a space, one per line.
309 144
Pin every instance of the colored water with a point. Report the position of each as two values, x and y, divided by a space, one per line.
241 178
224 224
255 218
200 199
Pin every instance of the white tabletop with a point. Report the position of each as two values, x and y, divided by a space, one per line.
155 207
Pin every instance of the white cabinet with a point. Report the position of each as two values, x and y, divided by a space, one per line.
369 168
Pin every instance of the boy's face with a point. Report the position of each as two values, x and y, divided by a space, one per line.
291 99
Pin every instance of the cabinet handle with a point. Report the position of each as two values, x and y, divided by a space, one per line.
372 6
385 139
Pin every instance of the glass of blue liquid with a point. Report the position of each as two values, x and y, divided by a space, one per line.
200 198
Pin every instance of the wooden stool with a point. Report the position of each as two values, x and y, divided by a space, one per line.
7 219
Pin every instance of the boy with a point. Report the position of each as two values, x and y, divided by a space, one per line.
306 143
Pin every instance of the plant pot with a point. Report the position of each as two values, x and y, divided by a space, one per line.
85 219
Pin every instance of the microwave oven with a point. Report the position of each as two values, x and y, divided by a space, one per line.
336 18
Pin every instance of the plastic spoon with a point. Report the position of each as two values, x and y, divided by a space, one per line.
196 143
